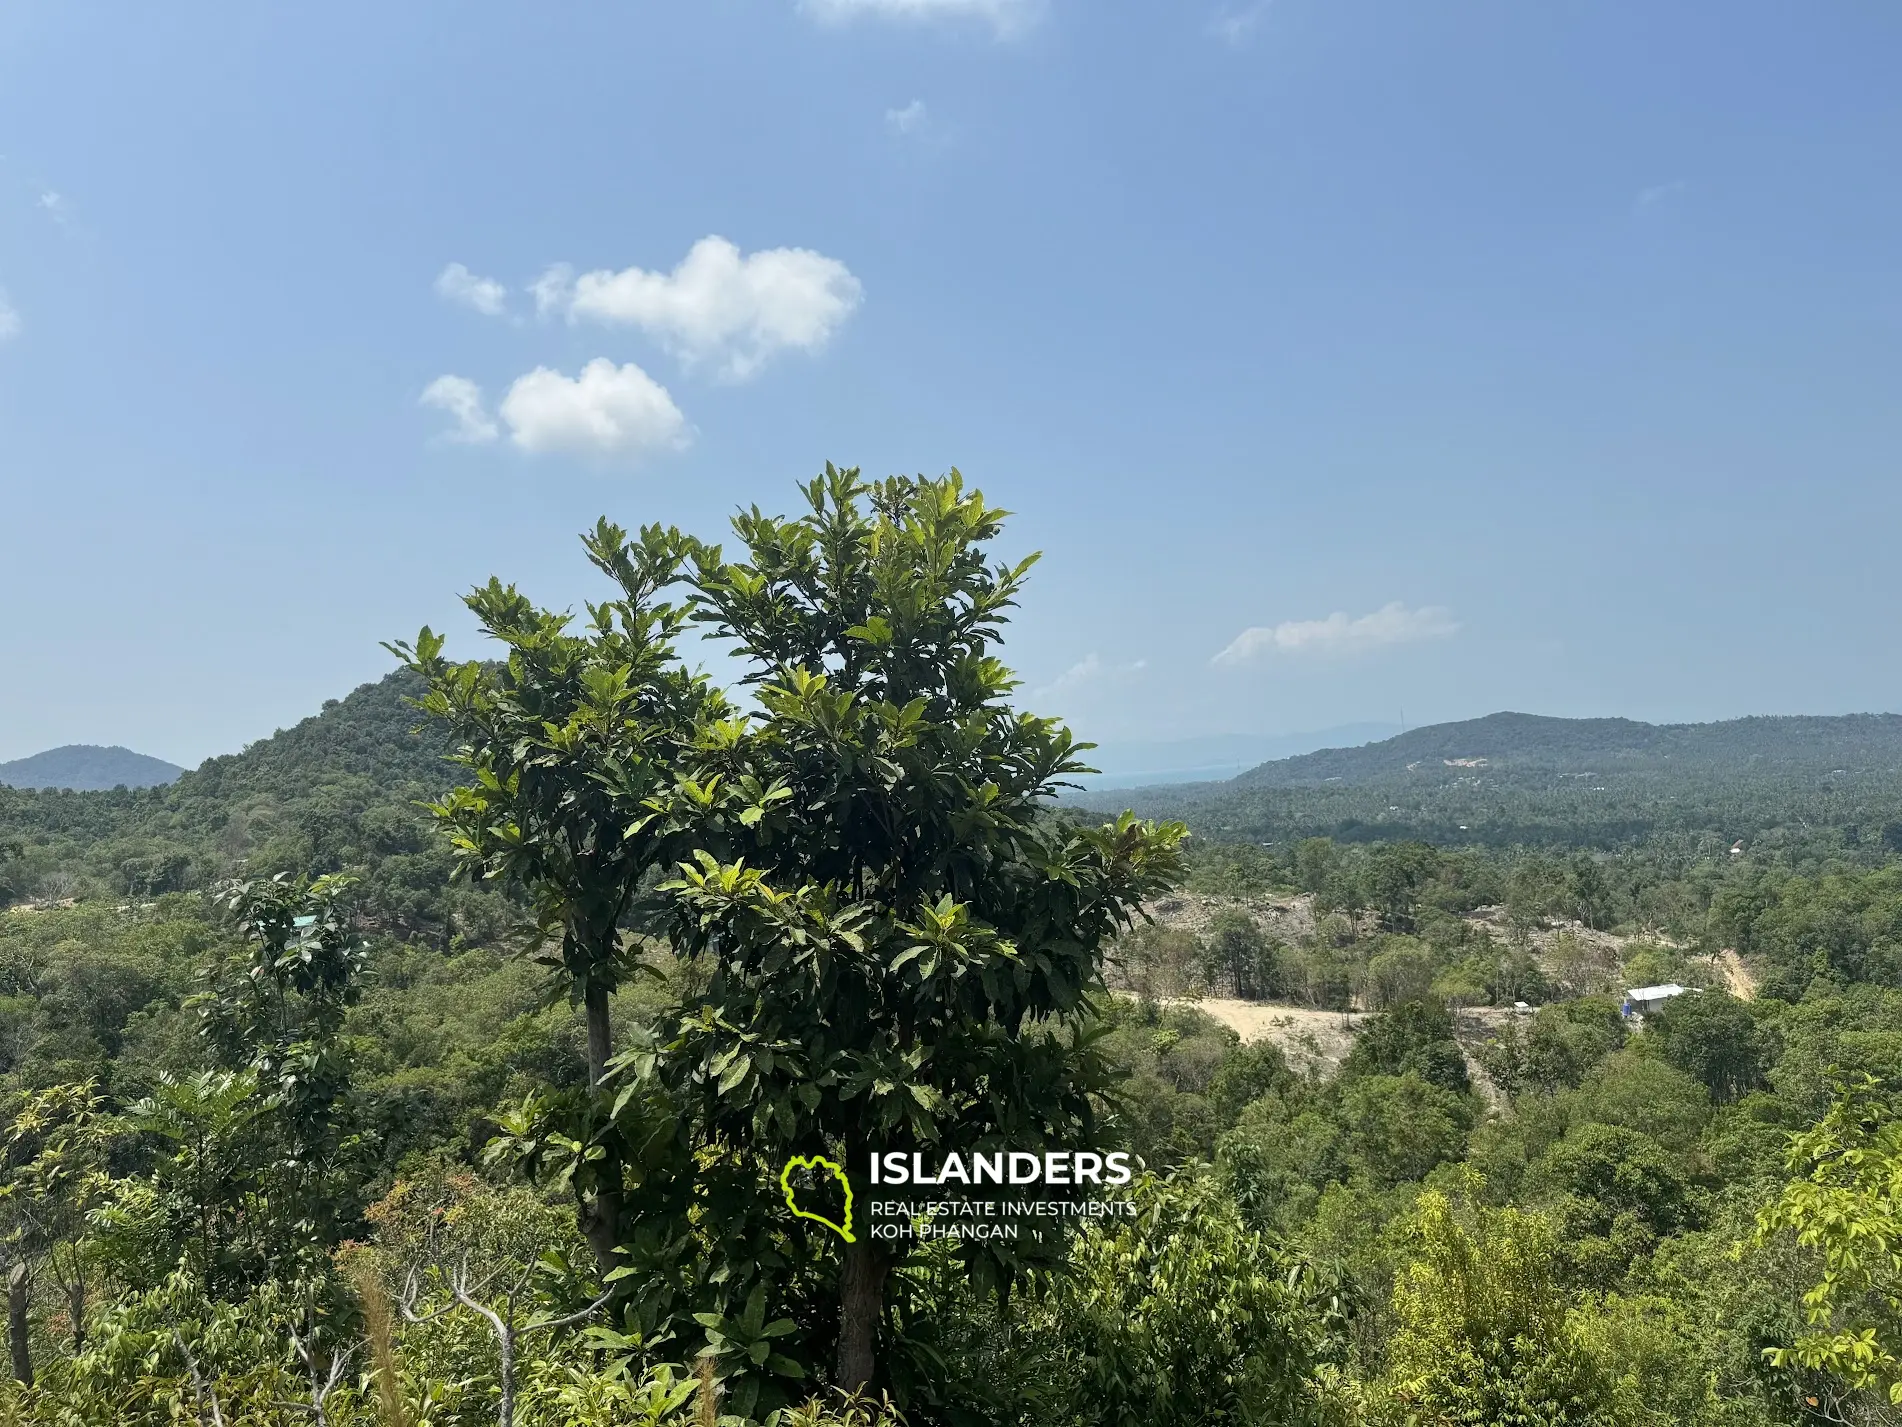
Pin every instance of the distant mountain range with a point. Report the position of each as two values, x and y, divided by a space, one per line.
1522 779
1517 742
88 768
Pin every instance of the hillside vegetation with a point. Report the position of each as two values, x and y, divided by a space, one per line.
318 1104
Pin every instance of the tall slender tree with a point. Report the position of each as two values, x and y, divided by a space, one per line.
572 742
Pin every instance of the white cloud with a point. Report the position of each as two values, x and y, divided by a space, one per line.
1233 26
1341 634
607 412
907 120
719 304
1004 16
457 284
55 206
462 399
10 323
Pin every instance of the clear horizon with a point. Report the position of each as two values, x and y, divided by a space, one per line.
1349 365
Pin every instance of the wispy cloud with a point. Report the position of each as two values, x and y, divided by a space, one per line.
10 323
1657 193
457 284
1091 669
1340 633
554 289
462 399
909 119
1235 25
1005 17
55 206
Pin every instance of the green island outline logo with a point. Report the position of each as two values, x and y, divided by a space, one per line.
817 1161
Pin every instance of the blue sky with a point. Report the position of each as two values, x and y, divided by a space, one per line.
1343 358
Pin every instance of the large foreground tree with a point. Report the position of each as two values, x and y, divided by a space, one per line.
893 936
901 934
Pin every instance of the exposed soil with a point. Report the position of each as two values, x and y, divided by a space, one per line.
1737 976
1285 919
1312 1040
1316 1042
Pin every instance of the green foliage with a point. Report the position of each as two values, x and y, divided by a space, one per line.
1415 1037
1238 955
1245 1074
93 993
575 747
1814 932
1395 875
338 793
1181 1316
1400 1126
1279 1157
1482 1333
1713 1037
276 1018
1612 1184
1783 786
1846 1203
1168 1108
1558 1050
853 918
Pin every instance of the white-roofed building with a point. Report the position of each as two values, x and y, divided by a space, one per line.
1642 1000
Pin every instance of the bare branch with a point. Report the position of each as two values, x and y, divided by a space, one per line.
406 1304
320 1386
549 1325
465 1295
203 1393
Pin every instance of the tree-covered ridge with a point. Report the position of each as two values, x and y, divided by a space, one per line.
342 791
1852 742
1517 780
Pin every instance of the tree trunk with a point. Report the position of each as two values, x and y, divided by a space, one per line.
76 1307
600 1212
861 1310
600 1033
17 1304
505 1409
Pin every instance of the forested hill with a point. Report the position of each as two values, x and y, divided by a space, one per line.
86 767
1515 779
337 792
371 734
1855 742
